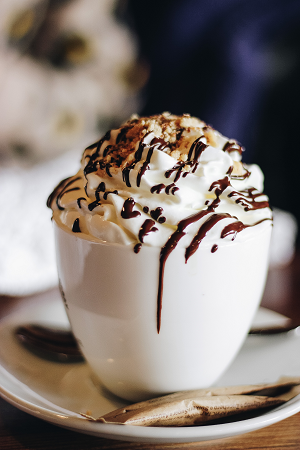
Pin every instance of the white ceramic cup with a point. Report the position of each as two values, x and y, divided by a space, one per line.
208 304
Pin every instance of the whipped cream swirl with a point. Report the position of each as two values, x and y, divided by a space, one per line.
138 182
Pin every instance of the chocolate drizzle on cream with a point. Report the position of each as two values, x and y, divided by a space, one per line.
127 210
109 192
236 227
125 175
93 205
156 143
146 228
61 190
97 202
157 188
100 188
219 186
214 248
137 157
155 213
203 230
144 167
229 171
194 154
137 248
233 146
79 200
171 187
245 175
76 227
247 199
178 169
93 163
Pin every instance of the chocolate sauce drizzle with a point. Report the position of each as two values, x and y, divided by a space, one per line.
137 248
178 169
85 190
137 157
155 213
76 227
171 187
203 230
219 186
109 192
159 144
125 175
194 154
144 167
233 147
79 200
157 188
127 210
236 227
229 171
100 188
60 190
146 228
214 248
106 150
148 225
248 199
156 143
93 164
93 205
245 175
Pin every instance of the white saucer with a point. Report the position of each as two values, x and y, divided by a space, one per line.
58 392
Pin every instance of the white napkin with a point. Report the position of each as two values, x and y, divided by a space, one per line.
27 255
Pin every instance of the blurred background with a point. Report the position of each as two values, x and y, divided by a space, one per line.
72 69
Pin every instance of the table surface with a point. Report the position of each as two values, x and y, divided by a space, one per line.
20 431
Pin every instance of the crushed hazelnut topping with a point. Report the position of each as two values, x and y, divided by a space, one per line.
178 133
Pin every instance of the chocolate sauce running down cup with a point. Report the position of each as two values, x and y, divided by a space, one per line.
162 249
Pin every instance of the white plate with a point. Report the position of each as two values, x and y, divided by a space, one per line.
58 392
